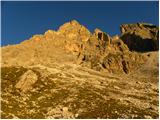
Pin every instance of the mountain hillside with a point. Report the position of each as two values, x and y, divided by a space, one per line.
73 73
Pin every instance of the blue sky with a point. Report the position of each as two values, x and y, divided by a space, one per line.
21 20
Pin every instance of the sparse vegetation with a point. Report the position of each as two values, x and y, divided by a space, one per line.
84 99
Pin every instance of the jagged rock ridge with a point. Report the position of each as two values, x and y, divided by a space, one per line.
73 73
78 45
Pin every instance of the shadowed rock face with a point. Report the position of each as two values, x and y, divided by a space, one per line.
140 37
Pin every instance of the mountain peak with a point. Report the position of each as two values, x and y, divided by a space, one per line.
74 30
74 22
68 25
97 30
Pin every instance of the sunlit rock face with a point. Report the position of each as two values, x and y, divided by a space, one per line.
73 30
73 42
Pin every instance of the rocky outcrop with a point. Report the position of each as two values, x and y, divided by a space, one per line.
102 36
26 81
73 42
140 37
73 30
59 112
122 62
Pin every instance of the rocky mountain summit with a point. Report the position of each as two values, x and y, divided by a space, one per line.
73 73
80 46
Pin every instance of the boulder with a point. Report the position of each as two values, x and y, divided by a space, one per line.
26 81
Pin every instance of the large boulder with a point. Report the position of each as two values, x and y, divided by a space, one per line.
26 81
140 37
